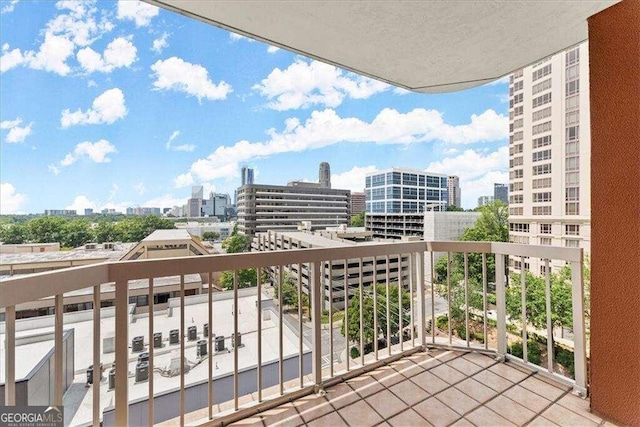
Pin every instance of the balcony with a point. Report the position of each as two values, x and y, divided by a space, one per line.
291 369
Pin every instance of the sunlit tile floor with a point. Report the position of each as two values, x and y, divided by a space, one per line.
438 388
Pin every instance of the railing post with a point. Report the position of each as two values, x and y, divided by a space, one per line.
58 353
10 356
501 306
579 355
316 329
421 296
122 353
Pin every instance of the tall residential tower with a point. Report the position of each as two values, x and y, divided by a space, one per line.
453 190
324 175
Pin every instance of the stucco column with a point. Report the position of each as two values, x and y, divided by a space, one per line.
614 71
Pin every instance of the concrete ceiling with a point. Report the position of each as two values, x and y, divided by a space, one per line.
426 46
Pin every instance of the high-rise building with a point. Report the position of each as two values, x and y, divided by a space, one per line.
549 154
484 200
60 212
246 175
501 192
88 212
358 203
281 207
324 175
397 198
453 191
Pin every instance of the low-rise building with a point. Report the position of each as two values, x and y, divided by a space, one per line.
443 226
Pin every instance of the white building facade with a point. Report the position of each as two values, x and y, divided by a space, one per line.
549 154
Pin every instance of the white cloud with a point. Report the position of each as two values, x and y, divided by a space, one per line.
17 133
119 53
273 49
160 43
97 152
134 10
164 201
477 172
92 83
53 169
106 108
235 37
304 84
401 91
193 79
352 179
8 8
11 202
52 56
80 203
184 147
325 128
140 188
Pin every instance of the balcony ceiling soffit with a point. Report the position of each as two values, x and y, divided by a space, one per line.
426 46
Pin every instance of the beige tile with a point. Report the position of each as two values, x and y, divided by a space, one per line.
486 417
409 392
387 376
386 404
542 388
436 412
462 422
252 421
428 362
457 400
316 411
430 382
365 385
411 370
341 395
464 366
477 391
492 380
480 359
566 418
448 374
508 372
541 421
510 410
293 420
330 420
527 398
579 406
360 414
277 415
447 355
409 418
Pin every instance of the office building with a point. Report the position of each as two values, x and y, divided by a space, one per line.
324 175
397 198
59 212
283 207
246 175
453 190
216 205
445 226
88 212
501 192
484 200
358 203
549 147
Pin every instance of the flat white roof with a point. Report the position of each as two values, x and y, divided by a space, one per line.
119 250
173 234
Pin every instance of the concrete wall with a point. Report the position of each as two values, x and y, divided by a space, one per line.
167 404
29 248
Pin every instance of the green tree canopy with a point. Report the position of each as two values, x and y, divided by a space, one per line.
46 229
14 233
235 243
76 233
358 220
210 235
247 278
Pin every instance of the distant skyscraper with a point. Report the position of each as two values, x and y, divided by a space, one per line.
453 191
247 176
484 200
88 211
358 203
501 192
324 175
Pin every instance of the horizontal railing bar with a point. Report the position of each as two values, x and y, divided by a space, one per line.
537 251
457 246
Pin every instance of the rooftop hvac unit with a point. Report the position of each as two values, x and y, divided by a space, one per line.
192 333
109 246
90 246
219 344
90 374
142 371
201 349
236 340
137 344
143 357
174 336
157 340
112 379
205 330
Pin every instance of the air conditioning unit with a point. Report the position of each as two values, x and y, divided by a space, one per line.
157 340
142 371
137 344
90 246
201 349
219 344
108 246
112 379
174 336
192 333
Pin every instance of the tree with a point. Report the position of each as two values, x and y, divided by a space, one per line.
47 229
290 291
235 244
454 208
353 310
14 234
210 235
358 220
106 232
75 233
247 278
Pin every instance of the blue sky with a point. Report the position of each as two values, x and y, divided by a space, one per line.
116 104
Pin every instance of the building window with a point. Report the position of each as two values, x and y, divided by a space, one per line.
572 229
545 241
516 149
516 174
515 198
572 178
541 183
539 87
572 163
542 169
572 243
542 127
572 72
539 156
571 148
572 208
518 86
541 100
515 211
517 74
541 114
517 136
572 102
573 56
542 197
542 210
572 194
542 141
519 227
517 124
516 161
516 186
517 111
544 71
545 228
573 87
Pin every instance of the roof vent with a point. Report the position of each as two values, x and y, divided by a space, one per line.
90 246
108 246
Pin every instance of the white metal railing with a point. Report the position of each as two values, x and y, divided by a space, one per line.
16 292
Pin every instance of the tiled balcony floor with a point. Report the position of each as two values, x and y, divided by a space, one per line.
438 388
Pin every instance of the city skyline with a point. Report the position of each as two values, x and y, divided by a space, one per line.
133 115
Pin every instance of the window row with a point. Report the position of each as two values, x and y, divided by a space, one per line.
544 71
572 163
517 136
572 102
572 178
572 133
542 99
572 208
572 56
515 199
541 155
517 111
572 87
572 118
519 227
515 211
541 210
541 183
541 114
516 186
517 124
572 194
516 161
572 147
542 197
516 174
542 141
542 127
541 169
545 228
572 72
572 229
523 240
516 100
544 85
516 149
